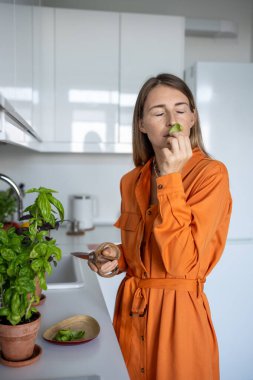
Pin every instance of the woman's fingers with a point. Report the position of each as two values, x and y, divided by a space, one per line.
92 266
176 155
108 267
180 146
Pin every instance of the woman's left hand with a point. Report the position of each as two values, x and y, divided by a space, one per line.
173 158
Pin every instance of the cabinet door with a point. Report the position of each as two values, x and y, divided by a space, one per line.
86 77
36 68
24 60
7 49
150 45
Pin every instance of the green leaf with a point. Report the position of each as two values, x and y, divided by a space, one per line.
57 204
37 265
48 267
3 237
54 251
15 303
176 128
32 231
15 243
8 254
31 209
40 235
24 285
52 220
14 319
4 311
23 259
46 190
7 296
42 280
26 272
40 190
32 190
38 250
3 269
44 206
12 269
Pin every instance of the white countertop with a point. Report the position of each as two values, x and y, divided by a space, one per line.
101 356
99 234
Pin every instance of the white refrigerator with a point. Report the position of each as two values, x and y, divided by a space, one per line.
224 97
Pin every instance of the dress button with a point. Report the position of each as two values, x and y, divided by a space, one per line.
149 212
160 186
145 274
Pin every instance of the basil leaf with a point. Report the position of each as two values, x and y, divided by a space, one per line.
44 206
176 128
57 204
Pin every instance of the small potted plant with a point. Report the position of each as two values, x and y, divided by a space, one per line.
44 215
26 254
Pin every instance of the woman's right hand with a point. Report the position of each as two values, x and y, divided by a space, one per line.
108 266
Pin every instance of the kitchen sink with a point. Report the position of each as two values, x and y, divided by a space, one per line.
67 274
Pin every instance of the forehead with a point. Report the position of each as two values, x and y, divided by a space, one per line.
162 94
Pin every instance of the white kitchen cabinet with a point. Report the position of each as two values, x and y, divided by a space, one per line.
86 77
22 101
17 72
95 65
150 45
47 75
36 68
7 49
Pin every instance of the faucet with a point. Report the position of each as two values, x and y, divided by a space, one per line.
18 192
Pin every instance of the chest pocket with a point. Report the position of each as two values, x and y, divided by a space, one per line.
128 221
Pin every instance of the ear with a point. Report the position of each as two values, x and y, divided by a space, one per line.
141 126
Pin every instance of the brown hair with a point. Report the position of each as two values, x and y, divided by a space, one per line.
142 148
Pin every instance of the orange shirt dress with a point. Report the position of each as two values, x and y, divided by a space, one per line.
162 317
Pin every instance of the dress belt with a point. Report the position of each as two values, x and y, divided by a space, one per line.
139 304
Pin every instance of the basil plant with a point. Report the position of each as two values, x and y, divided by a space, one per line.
26 254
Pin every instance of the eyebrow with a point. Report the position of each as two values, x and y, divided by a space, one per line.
163 105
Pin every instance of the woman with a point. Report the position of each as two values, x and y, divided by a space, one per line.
175 214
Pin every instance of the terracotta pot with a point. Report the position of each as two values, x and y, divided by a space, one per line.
17 342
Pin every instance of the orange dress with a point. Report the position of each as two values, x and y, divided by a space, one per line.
162 317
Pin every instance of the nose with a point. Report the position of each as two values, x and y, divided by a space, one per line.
170 119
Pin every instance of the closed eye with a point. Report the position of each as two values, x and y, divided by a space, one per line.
160 114
180 111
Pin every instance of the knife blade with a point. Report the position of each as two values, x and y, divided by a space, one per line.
84 255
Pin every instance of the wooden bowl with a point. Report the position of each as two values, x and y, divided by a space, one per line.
77 322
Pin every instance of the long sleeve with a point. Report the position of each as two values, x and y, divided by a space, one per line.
191 226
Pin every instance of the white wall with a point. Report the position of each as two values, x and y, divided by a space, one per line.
69 174
197 49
